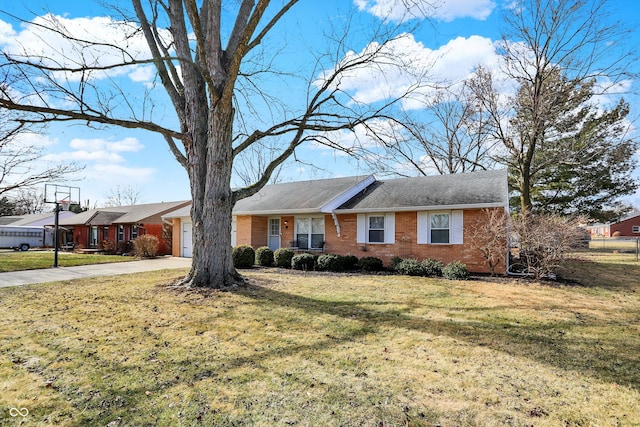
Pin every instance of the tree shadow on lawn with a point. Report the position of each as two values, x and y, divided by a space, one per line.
606 275
607 358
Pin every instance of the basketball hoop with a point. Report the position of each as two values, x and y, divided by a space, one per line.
64 205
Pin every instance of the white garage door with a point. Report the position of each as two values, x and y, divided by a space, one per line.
187 240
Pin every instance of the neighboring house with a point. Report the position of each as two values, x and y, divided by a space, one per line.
629 226
34 219
425 217
118 224
599 230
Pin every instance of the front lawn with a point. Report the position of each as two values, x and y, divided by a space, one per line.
319 350
33 260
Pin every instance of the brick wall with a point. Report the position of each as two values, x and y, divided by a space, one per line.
252 230
625 228
406 245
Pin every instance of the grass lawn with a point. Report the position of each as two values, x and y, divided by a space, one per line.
314 350
33 260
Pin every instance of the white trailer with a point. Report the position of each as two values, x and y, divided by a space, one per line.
24 237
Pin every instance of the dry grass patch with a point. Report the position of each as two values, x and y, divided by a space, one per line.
317 349
19 261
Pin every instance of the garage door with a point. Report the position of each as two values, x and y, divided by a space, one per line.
187 240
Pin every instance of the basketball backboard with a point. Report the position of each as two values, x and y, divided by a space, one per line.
61 194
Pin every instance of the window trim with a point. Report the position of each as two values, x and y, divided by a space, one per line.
310 233
370 229
431 229
635 228
362 234
456 227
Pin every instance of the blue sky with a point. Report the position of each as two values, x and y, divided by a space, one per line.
460 34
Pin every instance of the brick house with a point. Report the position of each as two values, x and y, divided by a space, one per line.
628 226
423 217
118 224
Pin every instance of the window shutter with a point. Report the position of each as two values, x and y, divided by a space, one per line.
390 228
457 229
362 229
423 228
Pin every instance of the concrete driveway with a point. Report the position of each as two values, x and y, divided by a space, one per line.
17 278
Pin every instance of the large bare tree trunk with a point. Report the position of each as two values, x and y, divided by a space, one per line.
210 166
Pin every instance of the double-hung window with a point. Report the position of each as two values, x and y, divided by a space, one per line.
310 232
440 228
376 228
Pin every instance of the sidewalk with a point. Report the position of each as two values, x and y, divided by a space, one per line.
17 278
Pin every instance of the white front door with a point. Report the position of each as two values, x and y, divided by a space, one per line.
274 234
187 240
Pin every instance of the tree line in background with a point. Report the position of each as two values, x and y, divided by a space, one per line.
567 153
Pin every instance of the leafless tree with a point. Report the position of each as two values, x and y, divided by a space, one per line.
451 135
559 54
488 237
124 196
21 163
30 201
210 57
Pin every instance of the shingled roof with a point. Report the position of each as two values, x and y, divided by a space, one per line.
365 194
315 196
123 214
455 191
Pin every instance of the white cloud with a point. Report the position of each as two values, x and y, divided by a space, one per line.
98 151
406 64
84 156
34 140
128 174
443 10
96 144
126 144
105 42
7 33
362 138
143 74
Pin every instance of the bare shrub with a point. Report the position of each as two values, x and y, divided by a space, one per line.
146 246
542 241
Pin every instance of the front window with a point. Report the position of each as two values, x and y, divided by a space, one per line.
376 229
440 226
310 232
120 233
134 232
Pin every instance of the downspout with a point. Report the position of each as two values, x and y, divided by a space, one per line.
335 221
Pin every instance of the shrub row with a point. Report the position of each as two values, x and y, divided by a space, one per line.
244 256
429 268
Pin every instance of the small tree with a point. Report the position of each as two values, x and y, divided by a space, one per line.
489 237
